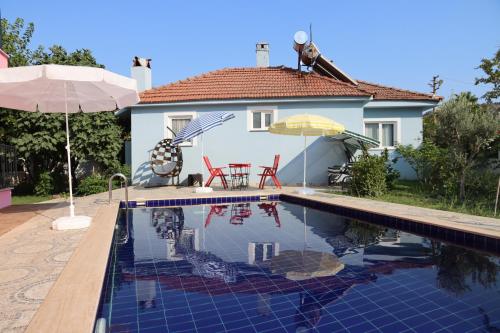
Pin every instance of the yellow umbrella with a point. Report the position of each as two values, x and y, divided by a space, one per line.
306 125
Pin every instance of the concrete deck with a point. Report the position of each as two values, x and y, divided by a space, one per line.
33 257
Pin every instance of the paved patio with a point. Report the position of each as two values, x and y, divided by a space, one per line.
33 256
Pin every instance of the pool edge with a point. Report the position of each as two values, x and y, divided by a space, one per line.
74 297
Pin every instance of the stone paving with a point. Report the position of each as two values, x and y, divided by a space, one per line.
32 255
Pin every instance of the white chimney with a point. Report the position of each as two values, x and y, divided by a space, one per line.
262 51
141 72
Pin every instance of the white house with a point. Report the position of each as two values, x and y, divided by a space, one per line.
261 95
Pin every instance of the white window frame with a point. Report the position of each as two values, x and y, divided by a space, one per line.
168 116
264 109
380 121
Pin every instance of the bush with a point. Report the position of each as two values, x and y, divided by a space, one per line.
369 175
391 174
481 185
123 168
92 185
433 167
45 184
24 188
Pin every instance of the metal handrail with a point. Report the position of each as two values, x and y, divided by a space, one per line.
110 186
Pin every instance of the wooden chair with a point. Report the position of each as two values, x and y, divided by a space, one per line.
215 172
270 172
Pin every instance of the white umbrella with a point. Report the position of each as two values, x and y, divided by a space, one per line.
68 89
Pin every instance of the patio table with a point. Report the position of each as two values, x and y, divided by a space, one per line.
240 174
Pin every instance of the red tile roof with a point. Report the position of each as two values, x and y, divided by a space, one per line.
267 83
381 92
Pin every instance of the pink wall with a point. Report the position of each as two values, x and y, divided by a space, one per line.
4 59
5 197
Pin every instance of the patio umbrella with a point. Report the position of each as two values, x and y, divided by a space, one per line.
306 125
198 126
68 89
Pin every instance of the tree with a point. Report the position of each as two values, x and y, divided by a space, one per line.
465 129
16 38
491 67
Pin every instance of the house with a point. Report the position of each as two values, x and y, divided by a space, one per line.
260 95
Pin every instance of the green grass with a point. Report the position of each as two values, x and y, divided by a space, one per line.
409 193
29 199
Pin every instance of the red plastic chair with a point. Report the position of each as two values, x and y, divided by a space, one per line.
270 172
215 172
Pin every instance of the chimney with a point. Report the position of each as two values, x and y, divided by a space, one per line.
262 51
141 72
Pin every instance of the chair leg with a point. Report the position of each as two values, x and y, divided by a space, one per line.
276 181
209 181
262 181
223 181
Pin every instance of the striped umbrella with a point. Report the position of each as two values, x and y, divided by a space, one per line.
200 125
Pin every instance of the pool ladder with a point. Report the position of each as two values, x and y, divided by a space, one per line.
110 186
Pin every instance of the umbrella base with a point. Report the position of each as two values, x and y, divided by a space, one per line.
203 190
306 191
68 222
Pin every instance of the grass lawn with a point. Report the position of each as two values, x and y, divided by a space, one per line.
29 199
408 193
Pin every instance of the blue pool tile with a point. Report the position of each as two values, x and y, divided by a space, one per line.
384 320
395 326
361 327
429 326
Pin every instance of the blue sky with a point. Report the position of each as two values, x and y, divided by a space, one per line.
394 42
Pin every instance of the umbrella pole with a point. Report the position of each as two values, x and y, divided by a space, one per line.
202 169
202 188
68 150
305 161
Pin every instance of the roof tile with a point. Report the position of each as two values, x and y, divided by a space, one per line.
267 83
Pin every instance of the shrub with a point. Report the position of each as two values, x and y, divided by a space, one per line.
123 168
24 188
369 175
92 184
391 174
44 185
481 185
433 167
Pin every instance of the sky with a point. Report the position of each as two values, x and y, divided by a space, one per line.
398 43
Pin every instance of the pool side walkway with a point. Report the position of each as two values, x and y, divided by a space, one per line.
33 256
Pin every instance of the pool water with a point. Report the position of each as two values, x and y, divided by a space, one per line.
281 267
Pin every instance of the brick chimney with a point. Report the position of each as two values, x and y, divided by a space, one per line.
141 72
262 51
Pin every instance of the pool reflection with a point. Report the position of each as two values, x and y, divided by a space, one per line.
303 263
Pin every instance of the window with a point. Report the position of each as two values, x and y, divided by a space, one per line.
385 131
260 120
177 121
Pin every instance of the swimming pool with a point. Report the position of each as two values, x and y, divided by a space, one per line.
281 267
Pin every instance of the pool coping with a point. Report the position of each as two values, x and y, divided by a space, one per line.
74 297
482 240
72 302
